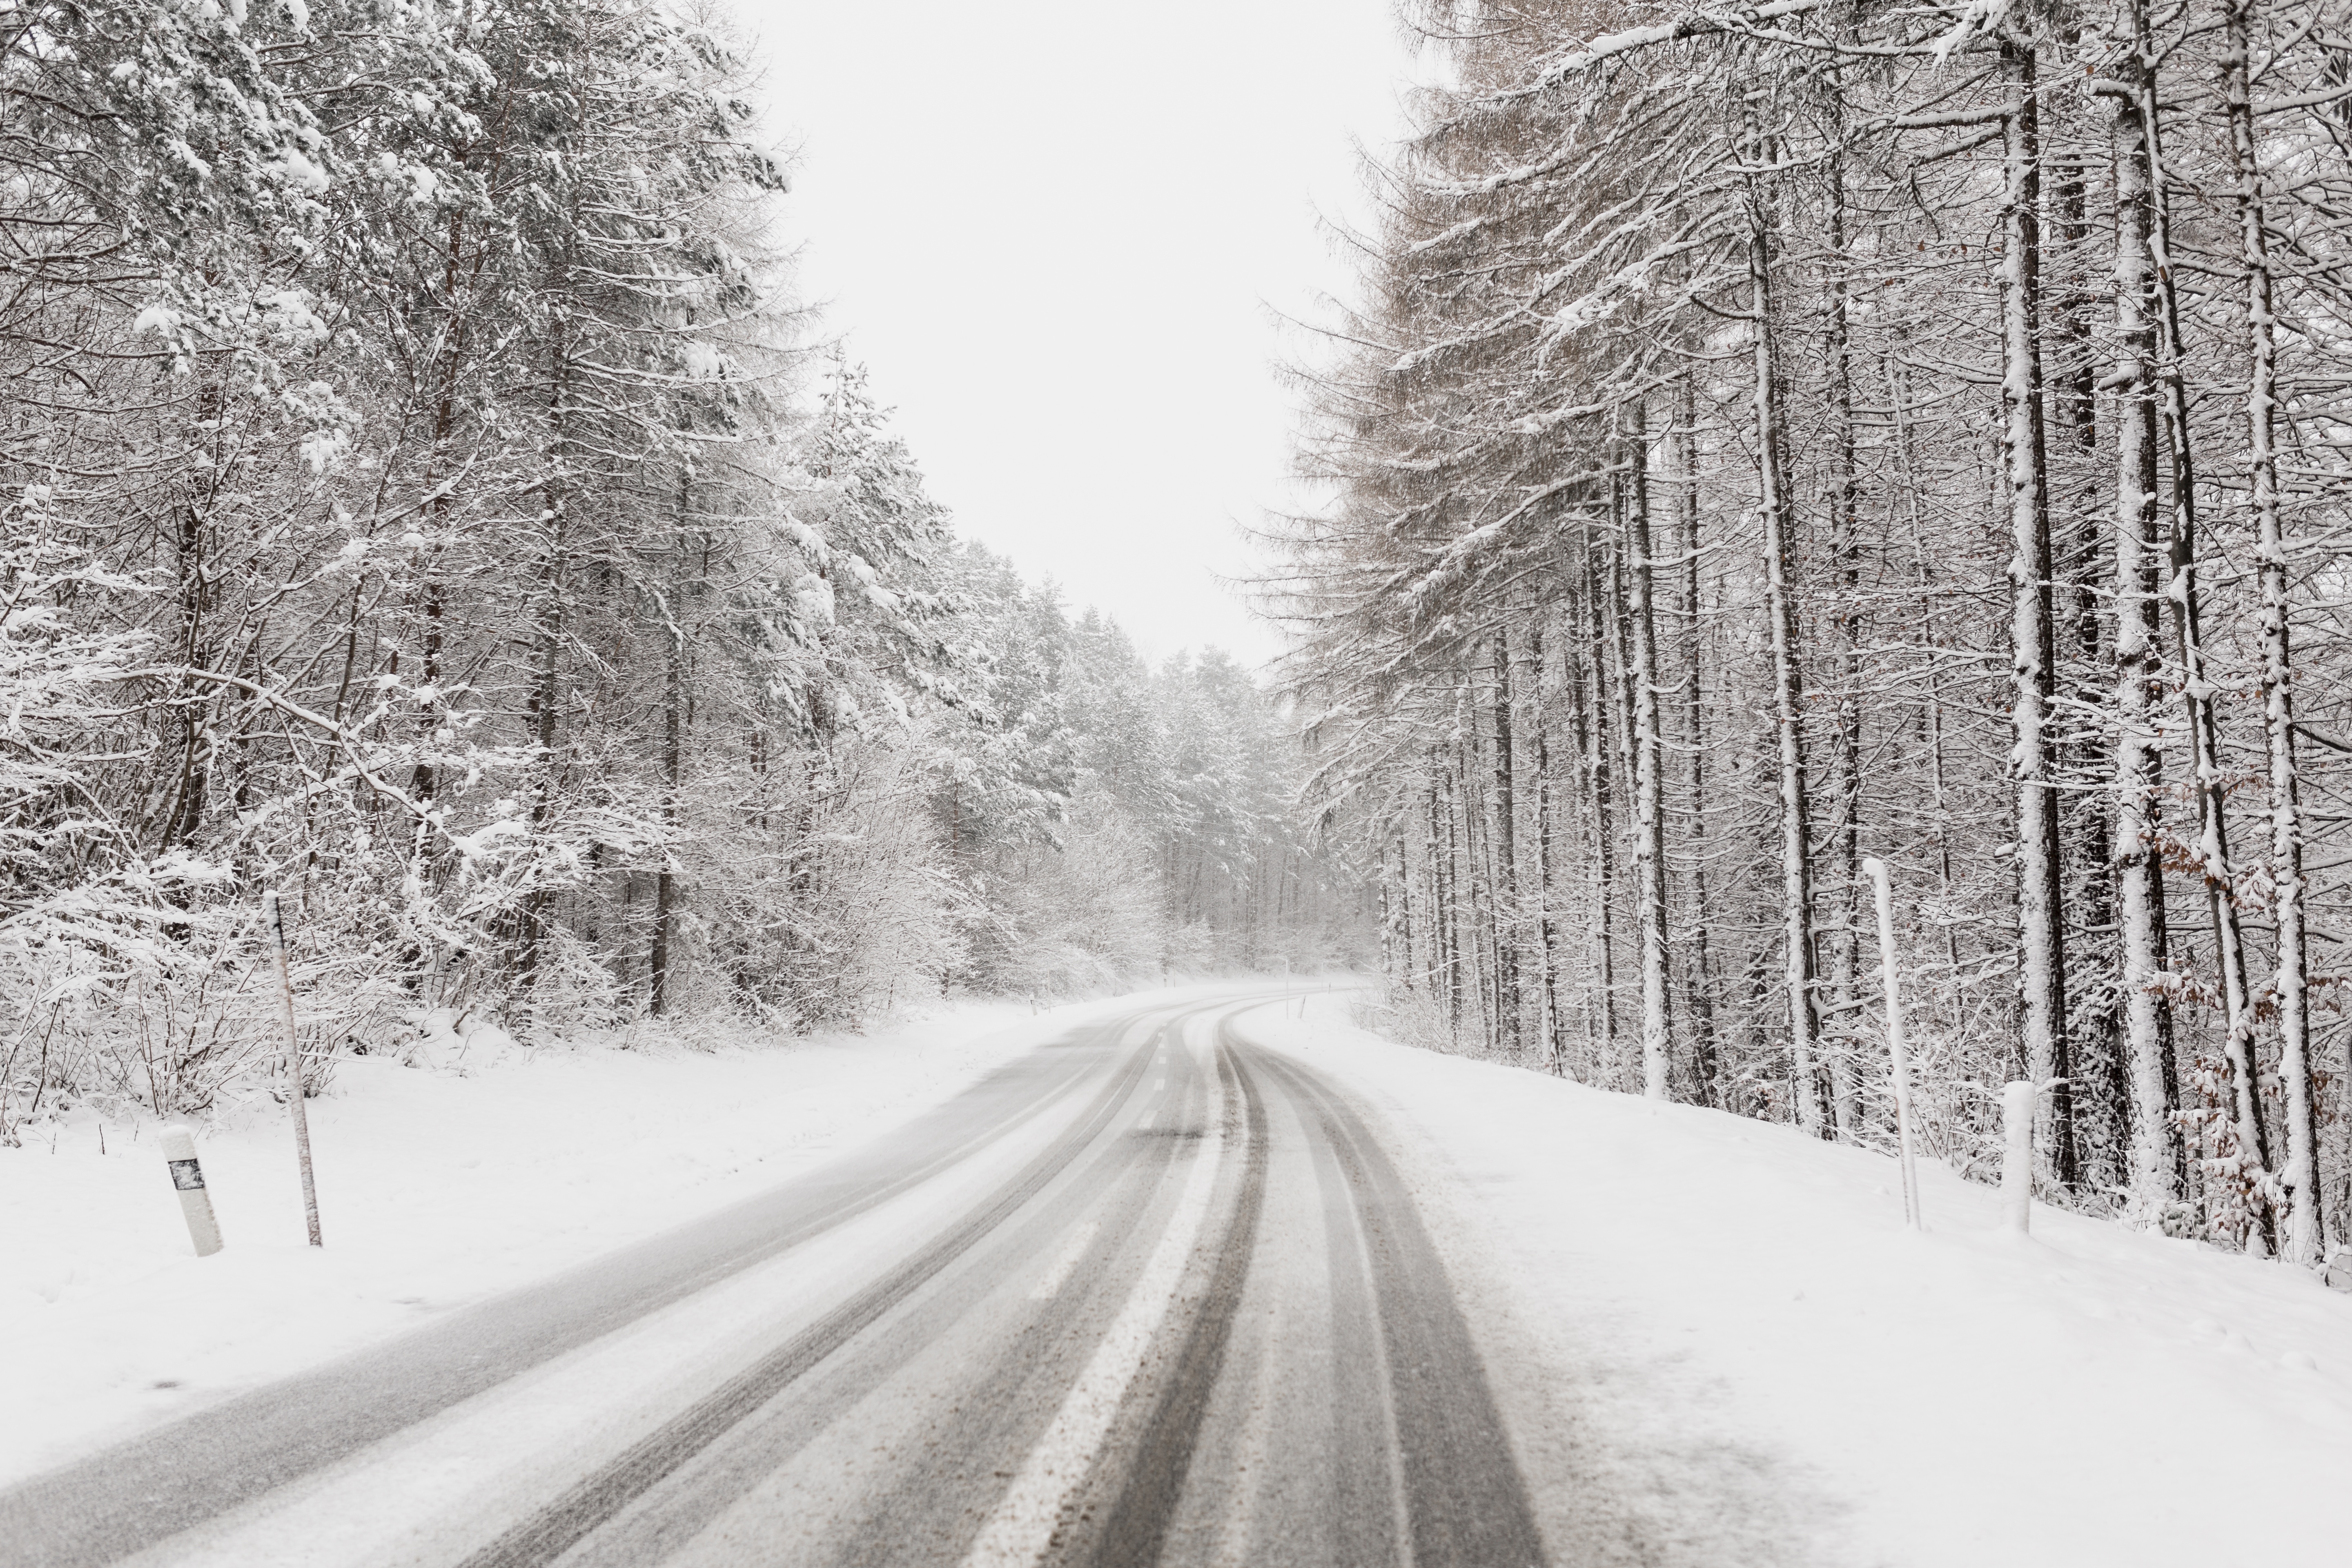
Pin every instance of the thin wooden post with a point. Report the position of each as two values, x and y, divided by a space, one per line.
1876 871
292 1070
2017 1112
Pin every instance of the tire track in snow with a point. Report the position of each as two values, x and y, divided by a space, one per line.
1137 1525
562 1525
1465 1501
1027 1519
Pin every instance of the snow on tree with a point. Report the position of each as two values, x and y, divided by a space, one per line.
425 498
1989 365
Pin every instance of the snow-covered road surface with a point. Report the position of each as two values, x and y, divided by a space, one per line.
1149 1294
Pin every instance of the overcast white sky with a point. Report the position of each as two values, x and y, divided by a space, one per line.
1057 231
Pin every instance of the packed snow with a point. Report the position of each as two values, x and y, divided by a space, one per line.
1713 1338
438 1185
1742 1356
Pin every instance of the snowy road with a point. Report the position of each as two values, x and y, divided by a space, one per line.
1149 1294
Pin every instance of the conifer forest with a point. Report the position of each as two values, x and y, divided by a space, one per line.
426 499
1762 441
1774 438
1279 783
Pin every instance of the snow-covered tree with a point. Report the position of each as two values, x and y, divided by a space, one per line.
1765 436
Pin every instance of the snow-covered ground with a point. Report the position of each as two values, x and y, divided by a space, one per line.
436 1188
1740 1354
1744 1347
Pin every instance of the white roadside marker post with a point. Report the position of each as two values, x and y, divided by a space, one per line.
2017 1103
1876 870
188 1180
292 1067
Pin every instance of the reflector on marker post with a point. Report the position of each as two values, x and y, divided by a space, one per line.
188 1180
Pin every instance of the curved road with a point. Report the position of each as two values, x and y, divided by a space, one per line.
1149 1294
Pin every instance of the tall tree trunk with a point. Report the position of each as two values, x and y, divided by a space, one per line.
1453 903
1923 575
2305 1231
673 762
1587 706
1701 987
546 696
2081 757
2041 927
1392 902
177 808
1788 686
1472 767
1845 735
430 594
1649 806
2243 1112
2156 1159
1547 853
1507 921
1523 643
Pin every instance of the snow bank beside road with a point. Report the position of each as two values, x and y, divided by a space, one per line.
433 1190
1739 1334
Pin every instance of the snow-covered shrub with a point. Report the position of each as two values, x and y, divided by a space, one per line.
824 900
1084 915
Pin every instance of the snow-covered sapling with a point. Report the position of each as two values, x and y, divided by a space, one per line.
188 1180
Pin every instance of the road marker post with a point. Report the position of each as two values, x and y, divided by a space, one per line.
188 1181
1876 871
292 1065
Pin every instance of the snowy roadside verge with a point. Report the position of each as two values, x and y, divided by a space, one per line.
1737 1336
436 1190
